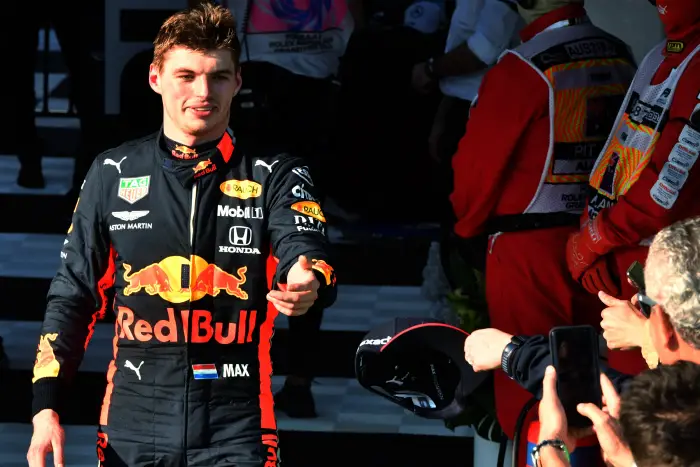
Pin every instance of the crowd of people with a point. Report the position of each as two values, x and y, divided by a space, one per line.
559 161
560 184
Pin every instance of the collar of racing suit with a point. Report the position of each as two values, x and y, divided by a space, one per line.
568 12
681 18
207 164
183 151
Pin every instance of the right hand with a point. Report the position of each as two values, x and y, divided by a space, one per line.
616 452
484 347
623 325
48 437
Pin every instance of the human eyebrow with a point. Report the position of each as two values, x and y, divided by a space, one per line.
224 72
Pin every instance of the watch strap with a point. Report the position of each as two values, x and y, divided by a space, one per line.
554 443
512 346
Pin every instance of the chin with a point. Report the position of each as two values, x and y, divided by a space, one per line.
202 127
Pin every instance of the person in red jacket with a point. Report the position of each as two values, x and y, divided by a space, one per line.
645 179
542 115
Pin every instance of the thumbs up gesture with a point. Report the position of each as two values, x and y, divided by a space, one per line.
623 325
301 291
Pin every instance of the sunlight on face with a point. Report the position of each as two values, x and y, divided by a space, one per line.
197 89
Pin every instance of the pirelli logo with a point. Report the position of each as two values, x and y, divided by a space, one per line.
675 47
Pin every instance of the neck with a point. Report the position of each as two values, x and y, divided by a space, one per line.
688 353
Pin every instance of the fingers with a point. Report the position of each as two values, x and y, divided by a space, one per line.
612 399
608 300
549 383
298 287
593 413
36 456
588 284
57 444
304 296
292 303
607 283
304 262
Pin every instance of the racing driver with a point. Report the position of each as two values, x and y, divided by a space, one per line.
645 178
175 230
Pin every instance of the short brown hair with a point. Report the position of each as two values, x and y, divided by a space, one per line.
660 416
202 28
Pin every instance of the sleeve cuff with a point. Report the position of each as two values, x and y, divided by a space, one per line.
483 48
46 395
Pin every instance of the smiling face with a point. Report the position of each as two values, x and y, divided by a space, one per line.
197 89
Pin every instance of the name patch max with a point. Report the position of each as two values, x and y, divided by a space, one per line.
228 370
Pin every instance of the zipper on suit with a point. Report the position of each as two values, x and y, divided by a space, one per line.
193 211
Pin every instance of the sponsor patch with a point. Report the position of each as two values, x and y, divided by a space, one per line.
134 189
683 156
690 137
675 47
242 189
310 209
663 195
673 176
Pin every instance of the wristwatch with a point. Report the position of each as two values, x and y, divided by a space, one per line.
555 443
515 343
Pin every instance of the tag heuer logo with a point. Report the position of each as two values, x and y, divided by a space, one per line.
675 47
133 189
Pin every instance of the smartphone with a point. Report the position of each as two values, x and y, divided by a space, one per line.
575 356
635 274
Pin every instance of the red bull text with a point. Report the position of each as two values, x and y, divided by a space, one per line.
193 326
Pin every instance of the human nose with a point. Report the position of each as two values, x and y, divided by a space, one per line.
202 87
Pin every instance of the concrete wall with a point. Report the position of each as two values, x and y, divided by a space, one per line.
634 21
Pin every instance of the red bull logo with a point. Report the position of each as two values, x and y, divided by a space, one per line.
195 326
164 279
325 269
46 365
272 443
203 168
184 152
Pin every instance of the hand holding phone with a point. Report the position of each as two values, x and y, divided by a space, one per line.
575 356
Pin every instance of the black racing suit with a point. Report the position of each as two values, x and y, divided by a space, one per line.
180 247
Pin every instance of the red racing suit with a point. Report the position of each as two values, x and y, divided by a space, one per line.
180 247
534 131
646 178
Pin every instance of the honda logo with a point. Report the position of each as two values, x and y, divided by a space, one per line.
240 236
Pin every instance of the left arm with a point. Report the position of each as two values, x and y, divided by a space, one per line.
493 32
647 208
297 225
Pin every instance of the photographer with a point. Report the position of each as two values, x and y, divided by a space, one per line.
656 421
672 277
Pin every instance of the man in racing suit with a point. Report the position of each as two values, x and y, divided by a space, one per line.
175 229
522 168
645 178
